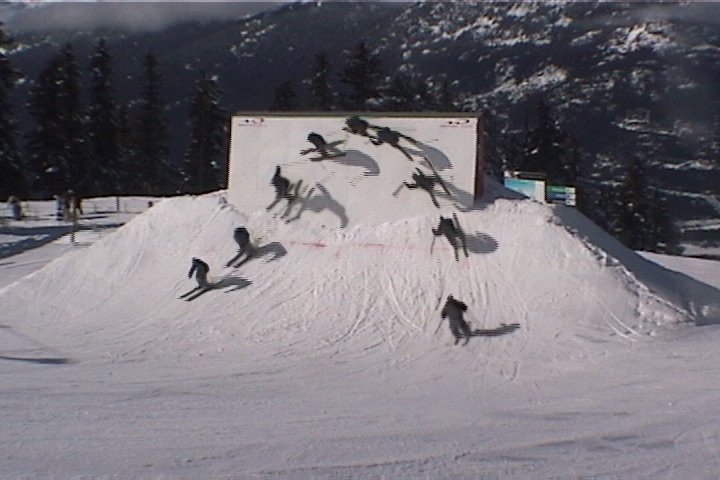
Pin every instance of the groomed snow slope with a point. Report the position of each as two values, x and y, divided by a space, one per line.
372 292
321 359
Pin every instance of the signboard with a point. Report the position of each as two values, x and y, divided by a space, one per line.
560 194
534 189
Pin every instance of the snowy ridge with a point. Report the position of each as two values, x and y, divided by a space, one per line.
359 292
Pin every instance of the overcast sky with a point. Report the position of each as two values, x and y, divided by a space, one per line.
144 15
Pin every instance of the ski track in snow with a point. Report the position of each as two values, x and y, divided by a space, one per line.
325 362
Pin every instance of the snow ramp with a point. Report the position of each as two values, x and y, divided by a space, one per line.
540 283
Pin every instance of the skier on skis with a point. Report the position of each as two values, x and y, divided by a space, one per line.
425 182
242 238
447 228
453 311
392 138
201 270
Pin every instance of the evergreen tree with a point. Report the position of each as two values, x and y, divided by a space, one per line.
446 98
545 149
204 166
363 74
102 124
642 224
323 98
126 146
284 100
56 147
151 174
664 233
12 180
404 94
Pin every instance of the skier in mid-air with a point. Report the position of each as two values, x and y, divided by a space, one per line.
200 269
281 184
452 233
318 142
357 125
425 182
325 149
392 138
453 311
284 190
242 238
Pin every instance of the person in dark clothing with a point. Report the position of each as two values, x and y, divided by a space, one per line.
357 125
453 311
323 148
392 138
424 182
76 203
447 228
15 207
201 270
242 238
281 184
318 141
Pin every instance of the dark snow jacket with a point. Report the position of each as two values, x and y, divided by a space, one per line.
201 270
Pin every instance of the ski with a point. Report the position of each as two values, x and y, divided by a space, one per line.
302 208
461 233
437 175
331 145
292 198
328 156
184 295
191 292
198 293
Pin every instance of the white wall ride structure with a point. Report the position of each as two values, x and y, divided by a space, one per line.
361 177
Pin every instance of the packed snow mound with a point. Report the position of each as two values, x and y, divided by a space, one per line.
539 281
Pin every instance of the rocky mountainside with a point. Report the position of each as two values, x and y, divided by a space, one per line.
627 79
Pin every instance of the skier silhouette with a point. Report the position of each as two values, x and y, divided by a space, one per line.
453 311
449 230
201 270
357 126
321 146
281 184
392 138
425 182
242 238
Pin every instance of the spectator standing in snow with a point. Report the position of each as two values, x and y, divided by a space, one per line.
61 211
15 207
453 311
